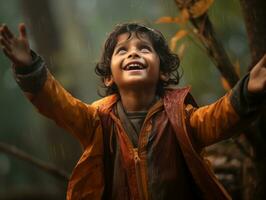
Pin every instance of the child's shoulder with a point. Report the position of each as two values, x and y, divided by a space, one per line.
106 102
174 92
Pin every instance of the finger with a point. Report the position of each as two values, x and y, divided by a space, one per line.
261 63
5 43
264 60
2 31
5 35
10 55
1 28
7 53
8 33
22 31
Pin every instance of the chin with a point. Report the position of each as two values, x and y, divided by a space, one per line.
141 84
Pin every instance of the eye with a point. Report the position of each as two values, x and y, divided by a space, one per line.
145 49
121 50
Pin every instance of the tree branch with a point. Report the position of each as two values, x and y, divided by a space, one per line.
206 34
51 169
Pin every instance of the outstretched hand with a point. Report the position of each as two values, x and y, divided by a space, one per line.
257 79
17 49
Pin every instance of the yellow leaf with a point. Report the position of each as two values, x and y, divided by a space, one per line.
180 34
237 68
200 7
183 18
181 50
184 15
225 84
165 20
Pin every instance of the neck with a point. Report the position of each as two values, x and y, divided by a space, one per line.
137 100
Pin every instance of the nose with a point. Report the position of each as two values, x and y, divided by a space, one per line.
133 54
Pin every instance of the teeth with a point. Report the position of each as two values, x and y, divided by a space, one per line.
134 66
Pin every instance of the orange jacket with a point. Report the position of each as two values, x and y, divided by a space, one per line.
195 129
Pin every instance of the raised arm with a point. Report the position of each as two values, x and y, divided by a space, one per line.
233 112
40 87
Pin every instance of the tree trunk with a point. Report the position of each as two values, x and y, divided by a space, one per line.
255 15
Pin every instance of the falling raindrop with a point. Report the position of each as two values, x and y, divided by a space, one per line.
4 164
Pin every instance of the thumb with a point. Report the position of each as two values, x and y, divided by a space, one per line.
22 31
262 61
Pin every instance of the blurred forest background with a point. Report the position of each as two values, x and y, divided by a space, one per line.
70 35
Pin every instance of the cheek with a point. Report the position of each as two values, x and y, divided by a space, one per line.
114 70
113 67
115 63
111 64
156 59
158 63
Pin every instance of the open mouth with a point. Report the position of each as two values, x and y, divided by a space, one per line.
134 66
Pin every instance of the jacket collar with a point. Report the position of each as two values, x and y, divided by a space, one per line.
106 103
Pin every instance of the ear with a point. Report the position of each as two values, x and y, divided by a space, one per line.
108 81
164 76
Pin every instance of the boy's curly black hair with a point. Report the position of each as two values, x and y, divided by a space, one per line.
169 62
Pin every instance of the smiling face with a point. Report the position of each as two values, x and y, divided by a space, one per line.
134 64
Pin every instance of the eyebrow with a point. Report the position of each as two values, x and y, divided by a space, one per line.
120 44
142 41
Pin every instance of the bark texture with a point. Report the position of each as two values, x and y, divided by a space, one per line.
255 15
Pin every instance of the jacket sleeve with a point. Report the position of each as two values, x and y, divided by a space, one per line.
226 117
54 102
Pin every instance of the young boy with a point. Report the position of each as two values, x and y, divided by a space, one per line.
143 140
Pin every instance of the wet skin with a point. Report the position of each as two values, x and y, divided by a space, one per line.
135 63
135 68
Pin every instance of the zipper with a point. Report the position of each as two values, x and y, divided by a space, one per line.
139 178
141 181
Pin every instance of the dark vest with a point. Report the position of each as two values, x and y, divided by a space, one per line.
197 170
